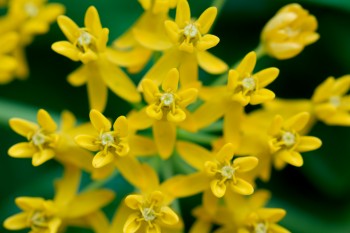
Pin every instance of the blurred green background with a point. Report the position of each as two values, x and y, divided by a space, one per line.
315 196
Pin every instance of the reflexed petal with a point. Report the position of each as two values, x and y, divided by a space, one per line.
97 90
171 81
42 156
261 96
92 21
188 69
308 143
46 121
22 150
206 19
87 142
154 40
225 153
189 124
66 49
67 187
297 122
232 124
245 164
211 63
142 146
216 108
242 187
206 42
17 221
134 57
168 216
154 112
292 157
247 64
164 134
139 120
193 154
188 96
68 27
183 13
266 76
218 189
121 126
132 224
99 121
101 159
79 76
210 202
134 201
211 92
22 127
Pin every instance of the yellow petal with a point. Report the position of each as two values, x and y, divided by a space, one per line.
297 122
266 76
292 157
284 50
68 27
120 217
138 56
168 216
193 154
67 187
188 69
102 159
99 121
154 112
155 228
97 90
247 64
218 188
150 90
245 164
98 221
50 12
189 124
308 143
261 96
134 201
206 19
188 96
121 126
210 202
139 120
276 125
341 86
164 133
176 116
142 146
206 42
22 150
154 40
42 156
17 221
10 39
172 30
46 121
271 214
183 13
212 92
242 187
22 127
216 108
92 21
68 120
66 49
30 203
8 63
171 81
232 124
132 224
211 63
87 142
79 76
201 226
225 153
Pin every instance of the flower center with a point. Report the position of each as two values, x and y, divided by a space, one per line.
288 138
107 139
148 214
38 219
31 9
167 99
227 171
84 38
335 101
191 30
38 139
260 228
248 83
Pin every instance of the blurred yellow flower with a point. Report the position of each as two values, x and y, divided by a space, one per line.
88 45
8 63
288 32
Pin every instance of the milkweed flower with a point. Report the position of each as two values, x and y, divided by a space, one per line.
288 32
243 87
28 18
166 109
8 63
88 45
66 208
190 40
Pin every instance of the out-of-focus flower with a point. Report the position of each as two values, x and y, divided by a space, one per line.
88 45
190 42
67 207
288 32
8 63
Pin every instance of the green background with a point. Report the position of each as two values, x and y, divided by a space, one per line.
315 196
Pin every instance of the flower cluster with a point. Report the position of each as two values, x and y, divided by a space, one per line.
155 147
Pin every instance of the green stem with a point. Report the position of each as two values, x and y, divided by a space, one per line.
100 183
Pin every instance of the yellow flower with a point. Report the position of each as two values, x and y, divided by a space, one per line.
8 63
190 42
216 171
88 45
28 18
331 104
165 110
109 143
67 207
243 87
288 32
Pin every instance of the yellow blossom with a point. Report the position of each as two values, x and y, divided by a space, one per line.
166 109
67 207
8 63
288 32
88 45
330 102
190 42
